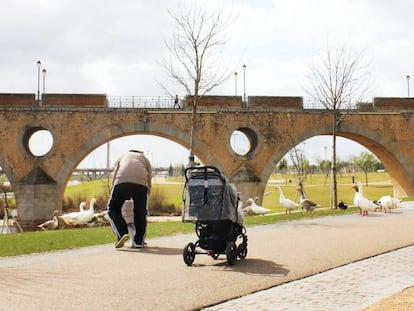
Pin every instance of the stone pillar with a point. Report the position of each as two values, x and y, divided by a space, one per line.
36 203
249 185
250 190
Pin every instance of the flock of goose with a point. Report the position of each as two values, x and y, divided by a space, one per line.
385 203
89 217
82 217
289 205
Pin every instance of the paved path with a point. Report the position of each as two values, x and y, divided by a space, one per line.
156 278
350 287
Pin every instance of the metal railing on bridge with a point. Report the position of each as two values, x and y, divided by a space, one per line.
156 102
167 102
314 104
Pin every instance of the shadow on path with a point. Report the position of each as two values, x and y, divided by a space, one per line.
154 250
251 266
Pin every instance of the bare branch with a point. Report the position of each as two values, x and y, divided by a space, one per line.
335 80
195 53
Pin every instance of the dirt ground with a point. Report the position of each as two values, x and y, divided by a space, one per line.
403 301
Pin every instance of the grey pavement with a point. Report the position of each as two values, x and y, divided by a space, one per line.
350 287
296 255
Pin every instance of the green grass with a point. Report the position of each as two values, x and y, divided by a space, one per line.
46 241
90 189
317 188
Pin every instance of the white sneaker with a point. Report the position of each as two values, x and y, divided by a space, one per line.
133 245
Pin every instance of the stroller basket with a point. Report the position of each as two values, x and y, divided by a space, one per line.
208 196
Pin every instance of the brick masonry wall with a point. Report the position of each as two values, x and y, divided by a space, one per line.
216 101
74 100
275 102
393 103
17 99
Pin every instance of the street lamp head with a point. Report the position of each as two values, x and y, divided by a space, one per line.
39 63
408 77
244 67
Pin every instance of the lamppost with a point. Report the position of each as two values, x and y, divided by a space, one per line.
235 82
38 79
408 85
44 80
244 84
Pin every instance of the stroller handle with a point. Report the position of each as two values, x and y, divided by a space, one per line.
202 170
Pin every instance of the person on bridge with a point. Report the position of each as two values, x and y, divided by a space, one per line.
132 179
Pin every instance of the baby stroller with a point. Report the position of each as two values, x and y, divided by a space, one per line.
211 203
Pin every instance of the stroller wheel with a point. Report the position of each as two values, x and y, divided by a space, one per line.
242 250
231 253
189 254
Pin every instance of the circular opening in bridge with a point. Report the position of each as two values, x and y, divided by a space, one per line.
39 142
243 141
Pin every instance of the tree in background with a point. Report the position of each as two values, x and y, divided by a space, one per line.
196 54
367 162
299 162
282 166
336 80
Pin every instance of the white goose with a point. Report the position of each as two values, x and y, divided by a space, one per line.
50 224
254 209
387 202
66 218
362 202
81 217
288 204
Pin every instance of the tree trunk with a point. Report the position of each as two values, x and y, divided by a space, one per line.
334 183
191 160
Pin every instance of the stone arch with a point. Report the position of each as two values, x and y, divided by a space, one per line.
160 130
393 161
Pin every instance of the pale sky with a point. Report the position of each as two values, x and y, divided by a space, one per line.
116 47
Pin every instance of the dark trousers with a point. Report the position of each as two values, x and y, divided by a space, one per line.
120 193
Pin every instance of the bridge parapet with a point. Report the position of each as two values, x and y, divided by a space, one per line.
393 103
7 99
206 103
275 102
212 101
74 100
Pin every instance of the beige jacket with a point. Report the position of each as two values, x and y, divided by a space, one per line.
133 167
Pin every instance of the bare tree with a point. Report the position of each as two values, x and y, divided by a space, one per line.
298 159
196 50
336 80
299 162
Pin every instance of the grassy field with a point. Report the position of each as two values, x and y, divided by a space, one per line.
316 187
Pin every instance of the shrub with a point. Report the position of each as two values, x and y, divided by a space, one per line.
158 206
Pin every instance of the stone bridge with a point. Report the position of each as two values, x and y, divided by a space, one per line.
273 125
